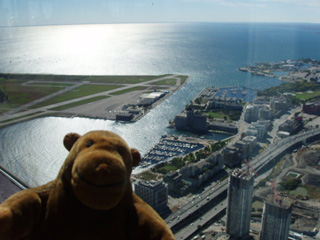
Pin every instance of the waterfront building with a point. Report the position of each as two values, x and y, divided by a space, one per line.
276 219
223 127
191 121
148 99
181 121
261 100
196 174
195 168
251 114
240 194
208 93
257 112
224 104
155 193
174 181
199 122
279 104
216 159
124 116
264 113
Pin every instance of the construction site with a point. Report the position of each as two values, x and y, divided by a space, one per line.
295 178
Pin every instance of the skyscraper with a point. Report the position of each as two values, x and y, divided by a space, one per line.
240 195
155 193
275 220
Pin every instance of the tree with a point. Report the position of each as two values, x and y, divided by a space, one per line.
262 183
198 100
291 184
177 162
3 97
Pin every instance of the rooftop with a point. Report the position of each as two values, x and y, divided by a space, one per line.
242 174
285 202
150 184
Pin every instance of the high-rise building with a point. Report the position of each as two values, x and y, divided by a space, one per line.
240 194
155 193
276 219
231 156
251 113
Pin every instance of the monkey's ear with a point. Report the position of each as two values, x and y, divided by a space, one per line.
136 157
70 139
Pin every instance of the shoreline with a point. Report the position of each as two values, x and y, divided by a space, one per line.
121 100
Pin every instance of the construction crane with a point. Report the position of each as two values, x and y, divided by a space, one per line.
250 166
275 193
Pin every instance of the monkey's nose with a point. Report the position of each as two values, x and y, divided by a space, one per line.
102 167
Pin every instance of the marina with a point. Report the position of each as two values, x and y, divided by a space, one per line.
172 146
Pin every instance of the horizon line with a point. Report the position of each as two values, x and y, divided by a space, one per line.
155 22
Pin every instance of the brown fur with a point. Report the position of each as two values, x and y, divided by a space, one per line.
91 198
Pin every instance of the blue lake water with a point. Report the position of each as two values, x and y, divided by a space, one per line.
209 53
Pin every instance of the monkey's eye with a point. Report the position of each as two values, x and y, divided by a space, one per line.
121 150
90 143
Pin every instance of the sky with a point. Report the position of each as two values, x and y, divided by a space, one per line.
44 12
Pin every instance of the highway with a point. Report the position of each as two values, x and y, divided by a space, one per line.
204 220
207 205
279 147
200 202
